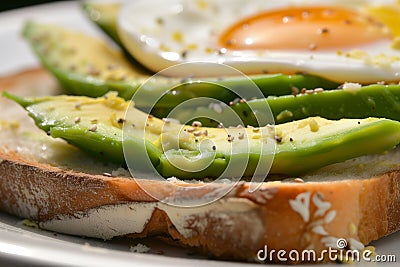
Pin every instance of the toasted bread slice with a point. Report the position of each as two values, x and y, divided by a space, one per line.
64 190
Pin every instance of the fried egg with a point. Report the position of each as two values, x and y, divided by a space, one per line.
345 41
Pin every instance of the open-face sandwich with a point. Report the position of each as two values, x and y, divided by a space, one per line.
300 155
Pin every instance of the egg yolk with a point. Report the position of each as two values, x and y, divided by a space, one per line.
300 28
389 15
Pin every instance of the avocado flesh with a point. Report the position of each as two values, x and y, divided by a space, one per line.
88 66
104 15
82 64
381 101
305 145
95 126
91 124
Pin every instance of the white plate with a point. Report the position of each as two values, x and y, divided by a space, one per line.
24 246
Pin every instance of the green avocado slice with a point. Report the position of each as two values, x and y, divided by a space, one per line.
88 66
381 101
104 15
91 124
95 126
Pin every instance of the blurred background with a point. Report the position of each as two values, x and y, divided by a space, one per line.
11 4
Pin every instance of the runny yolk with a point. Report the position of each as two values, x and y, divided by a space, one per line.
300 28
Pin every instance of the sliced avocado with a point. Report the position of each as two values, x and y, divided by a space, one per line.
82 64
92 124
302 146
381 101
315 142
354 101
88 66
95 126
104 15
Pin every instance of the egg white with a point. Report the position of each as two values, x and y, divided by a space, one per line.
162 33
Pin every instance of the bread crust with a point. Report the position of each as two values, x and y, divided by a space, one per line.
365 209
286 216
